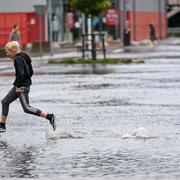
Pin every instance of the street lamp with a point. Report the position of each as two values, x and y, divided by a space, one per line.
50 26
40 10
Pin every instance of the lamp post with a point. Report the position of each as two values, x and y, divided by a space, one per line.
160 20
134 19
122 7
50 26
40 10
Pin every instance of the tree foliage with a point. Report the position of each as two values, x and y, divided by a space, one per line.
90 7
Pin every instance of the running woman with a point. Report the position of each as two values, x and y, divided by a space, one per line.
21 86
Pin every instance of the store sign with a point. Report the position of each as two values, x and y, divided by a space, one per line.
70 20
112 17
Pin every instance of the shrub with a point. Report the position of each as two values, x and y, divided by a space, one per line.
102 61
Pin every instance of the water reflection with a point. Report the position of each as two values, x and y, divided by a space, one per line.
104 110
16 162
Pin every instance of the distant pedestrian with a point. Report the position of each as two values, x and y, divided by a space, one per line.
127 34
127 37
21 86
152 34
15 34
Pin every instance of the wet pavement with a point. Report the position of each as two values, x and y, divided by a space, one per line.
121 122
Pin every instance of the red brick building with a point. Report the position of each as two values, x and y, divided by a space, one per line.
138 13
21 13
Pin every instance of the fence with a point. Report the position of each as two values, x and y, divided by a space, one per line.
89 44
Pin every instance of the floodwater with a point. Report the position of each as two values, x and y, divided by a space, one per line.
122 122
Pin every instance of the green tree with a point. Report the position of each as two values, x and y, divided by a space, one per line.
90 7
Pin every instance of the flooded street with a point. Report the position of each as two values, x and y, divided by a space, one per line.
124 122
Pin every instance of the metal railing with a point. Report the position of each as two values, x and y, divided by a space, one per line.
89 44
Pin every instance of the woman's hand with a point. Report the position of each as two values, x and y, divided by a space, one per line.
19 90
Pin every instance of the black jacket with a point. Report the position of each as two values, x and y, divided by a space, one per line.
23 70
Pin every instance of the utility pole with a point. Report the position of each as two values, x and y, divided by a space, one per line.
40 10
160 19
61 19
50 26
122 7
134 19
83 24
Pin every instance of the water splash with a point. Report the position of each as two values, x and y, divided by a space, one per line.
61 132
2 136
139 133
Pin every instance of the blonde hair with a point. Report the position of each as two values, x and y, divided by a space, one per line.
13 45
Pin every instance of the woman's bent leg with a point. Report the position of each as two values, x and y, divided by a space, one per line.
9 98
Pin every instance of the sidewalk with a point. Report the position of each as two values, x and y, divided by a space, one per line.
167 48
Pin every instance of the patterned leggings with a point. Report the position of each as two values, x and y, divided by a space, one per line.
24 99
